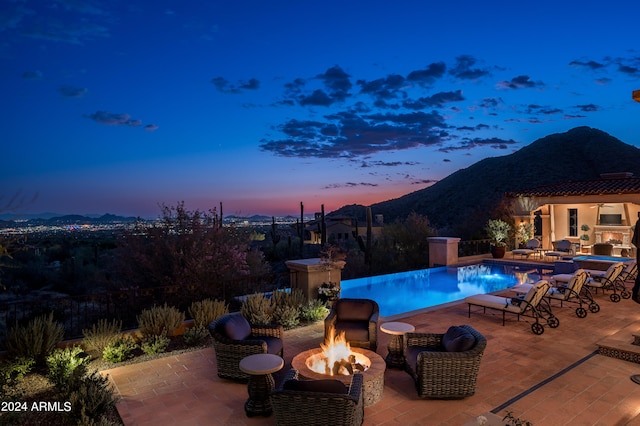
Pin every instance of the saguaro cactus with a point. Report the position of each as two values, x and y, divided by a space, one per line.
323 227
300 229
366 246
275 238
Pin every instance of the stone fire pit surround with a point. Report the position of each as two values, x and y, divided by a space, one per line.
373 377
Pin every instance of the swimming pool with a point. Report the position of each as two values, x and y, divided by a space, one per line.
414 290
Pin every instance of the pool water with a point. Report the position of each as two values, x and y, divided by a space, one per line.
600 257
410 291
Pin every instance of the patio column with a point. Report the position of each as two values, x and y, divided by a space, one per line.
552 218
309 274
443 251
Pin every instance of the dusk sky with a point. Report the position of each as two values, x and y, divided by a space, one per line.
119 106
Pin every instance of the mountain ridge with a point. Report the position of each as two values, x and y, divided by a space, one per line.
460 204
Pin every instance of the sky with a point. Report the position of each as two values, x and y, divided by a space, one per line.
122 106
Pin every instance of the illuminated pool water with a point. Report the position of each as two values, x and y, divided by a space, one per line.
595 257
410 291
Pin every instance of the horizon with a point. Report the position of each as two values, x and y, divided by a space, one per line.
120 108
53 215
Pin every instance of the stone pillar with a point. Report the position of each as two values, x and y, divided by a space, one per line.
443 251
309 274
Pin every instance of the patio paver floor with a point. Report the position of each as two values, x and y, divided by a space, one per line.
556 378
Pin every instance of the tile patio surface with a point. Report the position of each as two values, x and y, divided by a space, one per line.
557 378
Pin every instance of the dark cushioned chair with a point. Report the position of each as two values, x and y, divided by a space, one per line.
234 338
445 365
318 402
358 318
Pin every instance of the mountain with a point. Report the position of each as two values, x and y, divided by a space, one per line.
73 219
460 204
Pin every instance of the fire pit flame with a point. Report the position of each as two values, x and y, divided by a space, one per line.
337 357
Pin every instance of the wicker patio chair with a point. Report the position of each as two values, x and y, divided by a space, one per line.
358 318
234 338
438 368
318 402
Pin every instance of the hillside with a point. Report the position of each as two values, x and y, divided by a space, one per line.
461 203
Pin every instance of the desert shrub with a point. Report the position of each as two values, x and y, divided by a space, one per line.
120 349
12 372
102 421
90 395
195 336
257 309
154 344
206 311
294 298
287 316
62 363
37 339
100 335
160 321
313 311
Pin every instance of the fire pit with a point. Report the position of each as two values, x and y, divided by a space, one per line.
336 360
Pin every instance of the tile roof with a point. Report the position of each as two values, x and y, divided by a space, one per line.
608 184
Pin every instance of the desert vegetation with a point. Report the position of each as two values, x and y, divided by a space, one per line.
37 367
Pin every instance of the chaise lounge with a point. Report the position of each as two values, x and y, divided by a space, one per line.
563 250
528 305
529 249
569 288
609 280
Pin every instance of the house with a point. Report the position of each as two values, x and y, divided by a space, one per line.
608 206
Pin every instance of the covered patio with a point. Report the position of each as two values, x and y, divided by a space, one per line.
583 212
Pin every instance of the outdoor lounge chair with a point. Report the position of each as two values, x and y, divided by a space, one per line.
569 288
630 271
529 249
571 292
563 249
609 280
318 402
358 318
529 305
445 365
234 338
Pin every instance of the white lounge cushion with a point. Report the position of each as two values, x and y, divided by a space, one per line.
494 302
523 252
561 278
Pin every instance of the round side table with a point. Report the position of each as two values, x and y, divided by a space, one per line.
395 358
259 368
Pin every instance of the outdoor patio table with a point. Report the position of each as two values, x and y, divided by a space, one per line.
395 358
261 383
